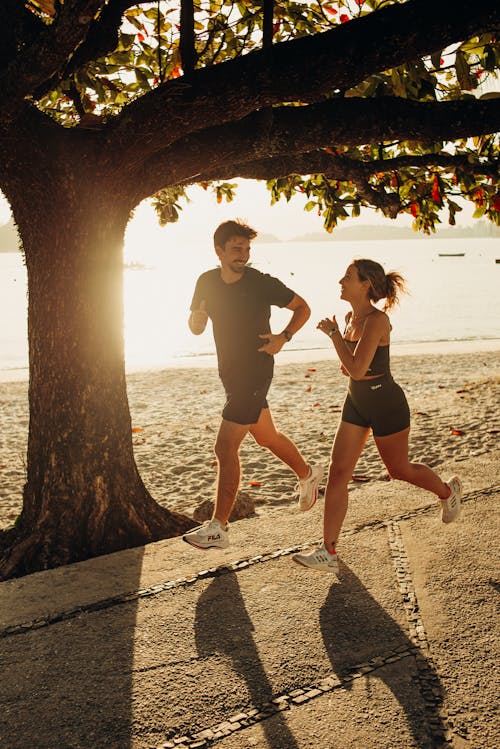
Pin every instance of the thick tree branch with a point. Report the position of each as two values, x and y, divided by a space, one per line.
344 169
19 29
48 55
304 69
186 44
267 23
296 130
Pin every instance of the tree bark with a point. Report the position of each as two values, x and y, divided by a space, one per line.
83 495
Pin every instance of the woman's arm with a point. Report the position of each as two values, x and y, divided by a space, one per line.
356 363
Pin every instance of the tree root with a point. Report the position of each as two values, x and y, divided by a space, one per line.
24 551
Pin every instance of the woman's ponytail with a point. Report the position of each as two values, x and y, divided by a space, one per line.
388 286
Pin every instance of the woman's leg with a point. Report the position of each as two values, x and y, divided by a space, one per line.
393 450
347 447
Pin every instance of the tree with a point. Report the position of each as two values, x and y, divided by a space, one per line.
103 104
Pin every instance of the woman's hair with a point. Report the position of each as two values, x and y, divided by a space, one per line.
383 285
229 229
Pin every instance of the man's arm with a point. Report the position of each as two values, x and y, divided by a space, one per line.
198 319
301 314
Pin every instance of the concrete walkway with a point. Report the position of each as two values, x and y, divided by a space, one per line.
166 646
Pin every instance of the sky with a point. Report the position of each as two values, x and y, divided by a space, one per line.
199 218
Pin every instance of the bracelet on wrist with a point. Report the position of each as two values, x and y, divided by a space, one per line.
332 331
288 335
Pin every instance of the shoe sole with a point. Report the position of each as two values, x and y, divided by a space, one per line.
446 521
306 509
203 548
316 569
459 510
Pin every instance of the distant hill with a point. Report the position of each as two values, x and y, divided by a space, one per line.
9 240
268 238
376 231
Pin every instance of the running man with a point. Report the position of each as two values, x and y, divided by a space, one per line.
238 299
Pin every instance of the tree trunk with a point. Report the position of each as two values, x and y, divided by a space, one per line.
83 496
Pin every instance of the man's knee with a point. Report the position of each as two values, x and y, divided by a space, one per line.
222 448
266 438
225 447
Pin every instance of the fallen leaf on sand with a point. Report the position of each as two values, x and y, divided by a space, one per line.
316 404
308 388
213 463
254 483
456 431
421 413
311 369
136 429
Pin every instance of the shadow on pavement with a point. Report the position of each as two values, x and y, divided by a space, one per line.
355 629
69 685
231 634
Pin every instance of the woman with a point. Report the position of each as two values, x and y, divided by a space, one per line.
374 401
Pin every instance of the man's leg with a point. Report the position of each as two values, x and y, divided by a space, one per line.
227 446
265 434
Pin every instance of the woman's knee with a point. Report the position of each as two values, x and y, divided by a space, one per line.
339 474
399 472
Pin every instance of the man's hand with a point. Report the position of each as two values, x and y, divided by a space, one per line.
199 318
274 343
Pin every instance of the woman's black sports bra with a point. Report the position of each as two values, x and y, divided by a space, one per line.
380 364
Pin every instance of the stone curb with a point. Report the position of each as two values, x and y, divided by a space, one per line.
211 572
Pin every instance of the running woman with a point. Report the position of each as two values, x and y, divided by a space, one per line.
374 401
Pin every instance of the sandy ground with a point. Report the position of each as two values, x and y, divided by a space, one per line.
162 645
176 413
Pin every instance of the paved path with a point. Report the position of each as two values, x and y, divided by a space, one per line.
170 647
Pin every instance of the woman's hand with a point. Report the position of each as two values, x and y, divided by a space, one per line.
326 325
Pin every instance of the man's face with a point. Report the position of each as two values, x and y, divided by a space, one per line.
235 254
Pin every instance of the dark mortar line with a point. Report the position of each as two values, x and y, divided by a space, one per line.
437 719
203 737
211 572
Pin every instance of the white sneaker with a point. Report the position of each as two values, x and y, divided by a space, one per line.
308 488
321 560
209 535
450 508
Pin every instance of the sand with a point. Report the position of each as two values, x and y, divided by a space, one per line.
176 413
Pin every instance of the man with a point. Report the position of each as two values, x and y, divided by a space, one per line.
238 299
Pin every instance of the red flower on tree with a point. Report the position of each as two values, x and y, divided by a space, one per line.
436 190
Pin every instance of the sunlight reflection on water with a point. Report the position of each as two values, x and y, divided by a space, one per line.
452 298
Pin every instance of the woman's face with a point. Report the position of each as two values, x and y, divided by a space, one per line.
352 288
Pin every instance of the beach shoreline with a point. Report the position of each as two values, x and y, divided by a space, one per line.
299 356
176 412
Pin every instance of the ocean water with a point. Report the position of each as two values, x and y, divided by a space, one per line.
451 298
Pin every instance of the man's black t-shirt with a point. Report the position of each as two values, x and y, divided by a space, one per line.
240 311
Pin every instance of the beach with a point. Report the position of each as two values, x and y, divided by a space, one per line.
176 412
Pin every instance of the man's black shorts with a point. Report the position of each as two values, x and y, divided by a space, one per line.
245 401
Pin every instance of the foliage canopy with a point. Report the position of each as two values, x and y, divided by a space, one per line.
398 98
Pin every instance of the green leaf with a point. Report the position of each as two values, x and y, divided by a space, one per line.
463 72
